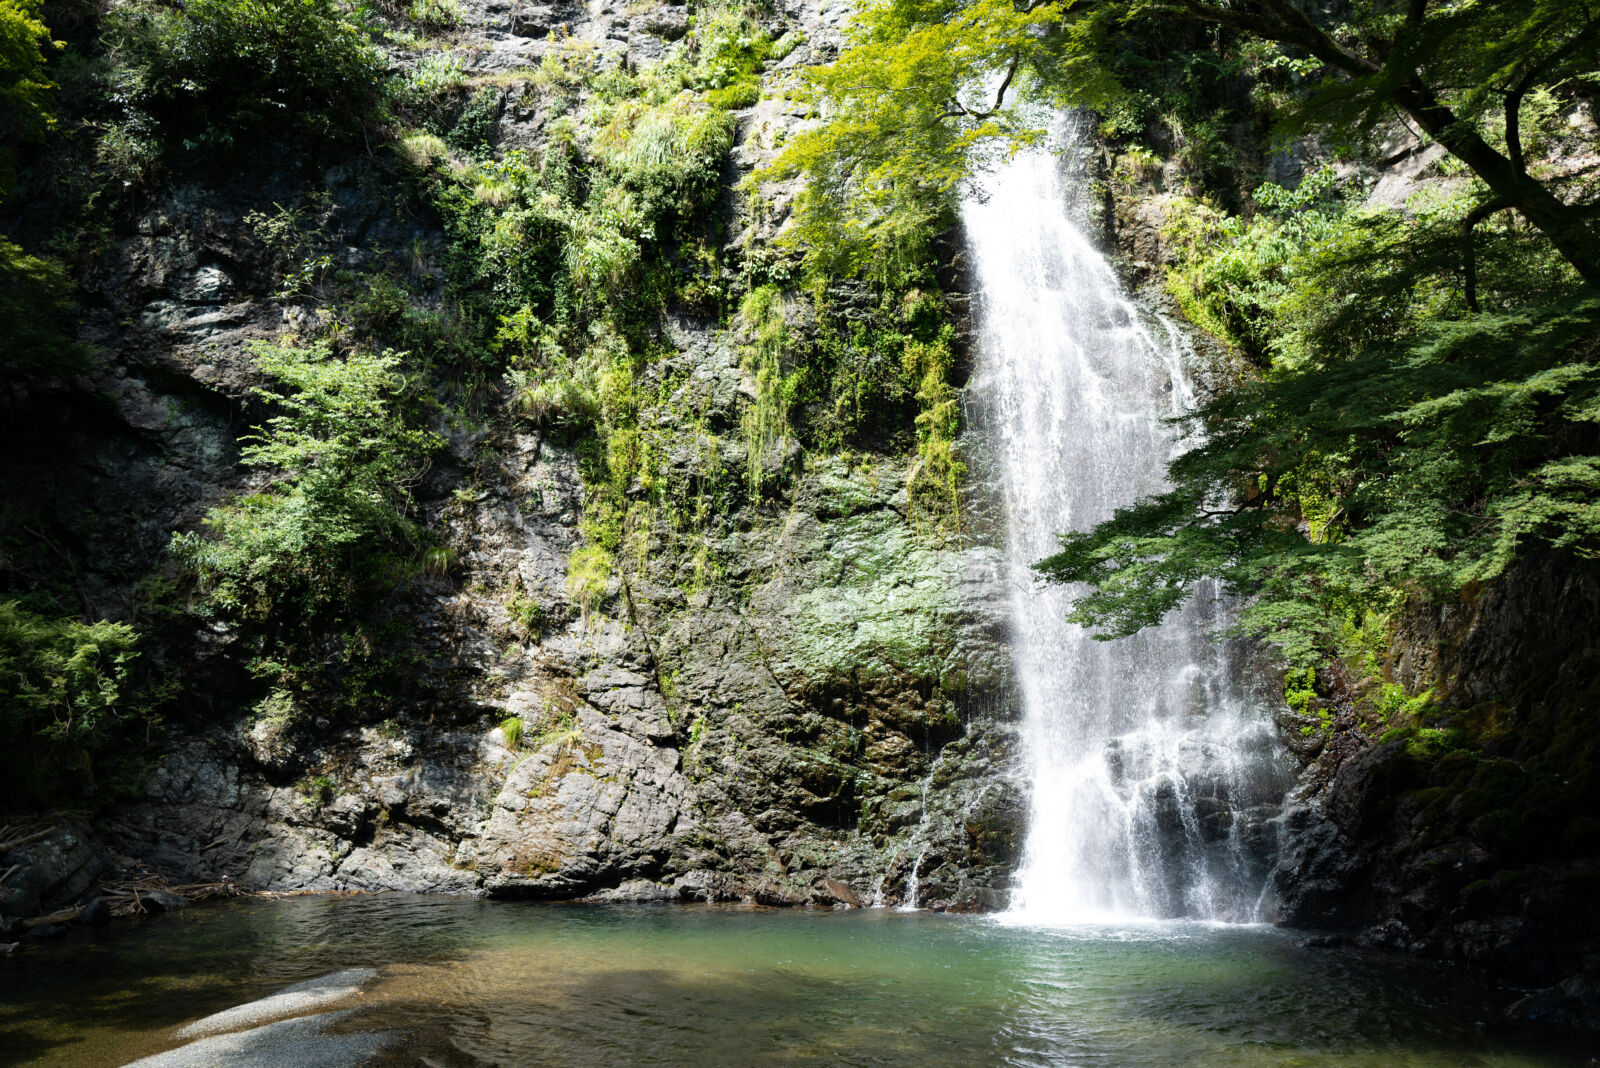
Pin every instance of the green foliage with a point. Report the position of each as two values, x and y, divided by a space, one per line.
562 732
574 253
876 366
935 481
25 88
38 316
766 421
434 15
434 75
561 394
1177 78
277 709
1233 273
325 537
65 679
1426 402
1300 689
913 103
37 313
511 727
527 614
732 49
317 790
67 697
205 75
1393 705
575 237
909 120
590 566
1400 444
472 130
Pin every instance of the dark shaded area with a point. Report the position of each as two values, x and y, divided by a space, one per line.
1476 839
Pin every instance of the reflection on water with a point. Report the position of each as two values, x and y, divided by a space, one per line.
480 983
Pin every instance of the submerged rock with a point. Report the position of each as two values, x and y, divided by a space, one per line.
162 901
291 1000
300 1043
1573 1003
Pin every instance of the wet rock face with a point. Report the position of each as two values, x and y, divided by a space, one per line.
823 717
833 731
46 868
1490 853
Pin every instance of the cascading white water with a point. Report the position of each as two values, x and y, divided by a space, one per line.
1152 775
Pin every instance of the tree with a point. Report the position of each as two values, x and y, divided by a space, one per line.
1427 406
306 551
24 86
1400 443
205 73
915 102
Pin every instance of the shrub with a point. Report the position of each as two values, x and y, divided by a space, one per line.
315 544
435 15
66 689
202 75
438 73
64 678
36 315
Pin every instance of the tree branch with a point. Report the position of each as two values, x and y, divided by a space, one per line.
1239 20
954 109
1317 41
1515 94
1469 254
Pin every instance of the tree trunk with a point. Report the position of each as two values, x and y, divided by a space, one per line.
1558 221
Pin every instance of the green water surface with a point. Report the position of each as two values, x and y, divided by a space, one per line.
495 983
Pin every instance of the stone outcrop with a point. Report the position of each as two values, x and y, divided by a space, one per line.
814 708
1488 853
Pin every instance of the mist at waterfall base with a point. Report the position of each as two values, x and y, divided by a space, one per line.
1154 778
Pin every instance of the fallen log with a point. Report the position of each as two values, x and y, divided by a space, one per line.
64 916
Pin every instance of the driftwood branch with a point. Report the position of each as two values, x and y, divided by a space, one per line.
8 844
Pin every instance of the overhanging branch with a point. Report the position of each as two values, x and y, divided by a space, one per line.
955 109
1469 254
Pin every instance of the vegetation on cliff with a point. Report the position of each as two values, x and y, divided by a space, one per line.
1424 398
542 305
1413 427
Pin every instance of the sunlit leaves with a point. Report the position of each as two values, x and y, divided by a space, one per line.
341 461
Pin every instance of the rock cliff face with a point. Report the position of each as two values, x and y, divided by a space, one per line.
1483 848
812 706
1476 841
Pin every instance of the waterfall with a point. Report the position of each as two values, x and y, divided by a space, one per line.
1153 775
